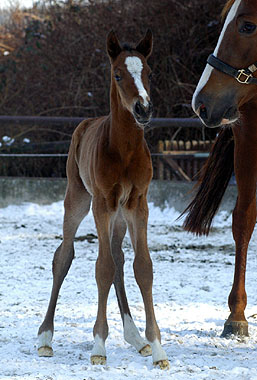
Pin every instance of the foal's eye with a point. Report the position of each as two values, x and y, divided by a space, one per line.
247 27
117 77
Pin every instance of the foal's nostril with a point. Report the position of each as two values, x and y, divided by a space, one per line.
138 108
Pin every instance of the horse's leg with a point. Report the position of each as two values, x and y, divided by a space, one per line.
137 216
76 204
104 272
131 334
244 219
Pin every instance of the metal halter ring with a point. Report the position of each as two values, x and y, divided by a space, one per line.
241 73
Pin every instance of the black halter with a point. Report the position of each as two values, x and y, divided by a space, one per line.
244 76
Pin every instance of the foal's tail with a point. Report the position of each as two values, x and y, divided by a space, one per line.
214 179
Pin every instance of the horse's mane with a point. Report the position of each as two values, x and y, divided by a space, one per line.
226 8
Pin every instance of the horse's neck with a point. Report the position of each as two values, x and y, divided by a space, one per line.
249 118
125 136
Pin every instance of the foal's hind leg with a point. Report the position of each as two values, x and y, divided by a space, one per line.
77 204
244 219
137 222
131 334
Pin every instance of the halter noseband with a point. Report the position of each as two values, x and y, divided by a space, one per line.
244 76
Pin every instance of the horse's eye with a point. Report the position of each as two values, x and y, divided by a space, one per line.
150 76
117 77
247 27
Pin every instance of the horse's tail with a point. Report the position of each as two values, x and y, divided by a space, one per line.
214 179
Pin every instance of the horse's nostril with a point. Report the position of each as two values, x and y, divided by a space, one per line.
203 112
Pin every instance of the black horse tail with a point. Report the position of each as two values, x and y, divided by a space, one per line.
213 181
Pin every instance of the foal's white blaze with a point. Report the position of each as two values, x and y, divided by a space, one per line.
208 69
131 334
135 67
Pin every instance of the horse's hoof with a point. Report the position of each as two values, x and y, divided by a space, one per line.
146 350
45 351
162 364
235 328
98 359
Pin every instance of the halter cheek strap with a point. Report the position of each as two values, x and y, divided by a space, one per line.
244 76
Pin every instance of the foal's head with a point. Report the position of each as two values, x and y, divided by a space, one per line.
131 75
219 95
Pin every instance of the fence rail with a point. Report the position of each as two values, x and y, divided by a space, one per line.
168 164
154 123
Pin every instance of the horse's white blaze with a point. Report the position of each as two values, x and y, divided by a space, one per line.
99 347
45 339
202 82
158 352
230 17
131 334
135 67
208 69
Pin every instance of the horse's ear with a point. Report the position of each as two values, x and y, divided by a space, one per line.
112 45
145 46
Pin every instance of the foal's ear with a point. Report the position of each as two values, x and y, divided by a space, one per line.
112 45
145 46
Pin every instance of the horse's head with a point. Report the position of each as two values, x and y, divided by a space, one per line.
131 75
228 80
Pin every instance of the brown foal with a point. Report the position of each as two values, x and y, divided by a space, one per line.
227 94
110 164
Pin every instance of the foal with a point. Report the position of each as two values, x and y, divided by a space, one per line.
109 162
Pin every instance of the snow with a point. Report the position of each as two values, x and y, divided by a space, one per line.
192 280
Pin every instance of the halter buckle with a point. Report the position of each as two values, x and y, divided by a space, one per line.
243 77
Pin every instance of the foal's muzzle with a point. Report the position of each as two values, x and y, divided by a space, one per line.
142 113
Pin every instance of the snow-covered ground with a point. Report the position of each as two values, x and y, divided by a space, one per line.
192 280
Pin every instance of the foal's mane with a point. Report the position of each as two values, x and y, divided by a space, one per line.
226 8
127 47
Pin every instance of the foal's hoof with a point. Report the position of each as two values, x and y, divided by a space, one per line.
162 364
45 351
235 328
146 350
98 359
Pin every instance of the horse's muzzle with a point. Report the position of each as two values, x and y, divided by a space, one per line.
215 113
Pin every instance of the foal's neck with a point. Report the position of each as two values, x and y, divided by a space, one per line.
125 134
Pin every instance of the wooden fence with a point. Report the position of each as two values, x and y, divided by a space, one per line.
172 159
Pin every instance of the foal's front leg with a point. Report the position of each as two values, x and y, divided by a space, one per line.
104 273
137 218
131 333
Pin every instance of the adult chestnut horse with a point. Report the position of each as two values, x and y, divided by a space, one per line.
109 162
227 95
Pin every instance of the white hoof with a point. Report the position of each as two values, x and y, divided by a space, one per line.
45 351
146 350
162 364
98 359
45 344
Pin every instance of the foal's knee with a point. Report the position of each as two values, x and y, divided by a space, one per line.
143 269
62 261
104 272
